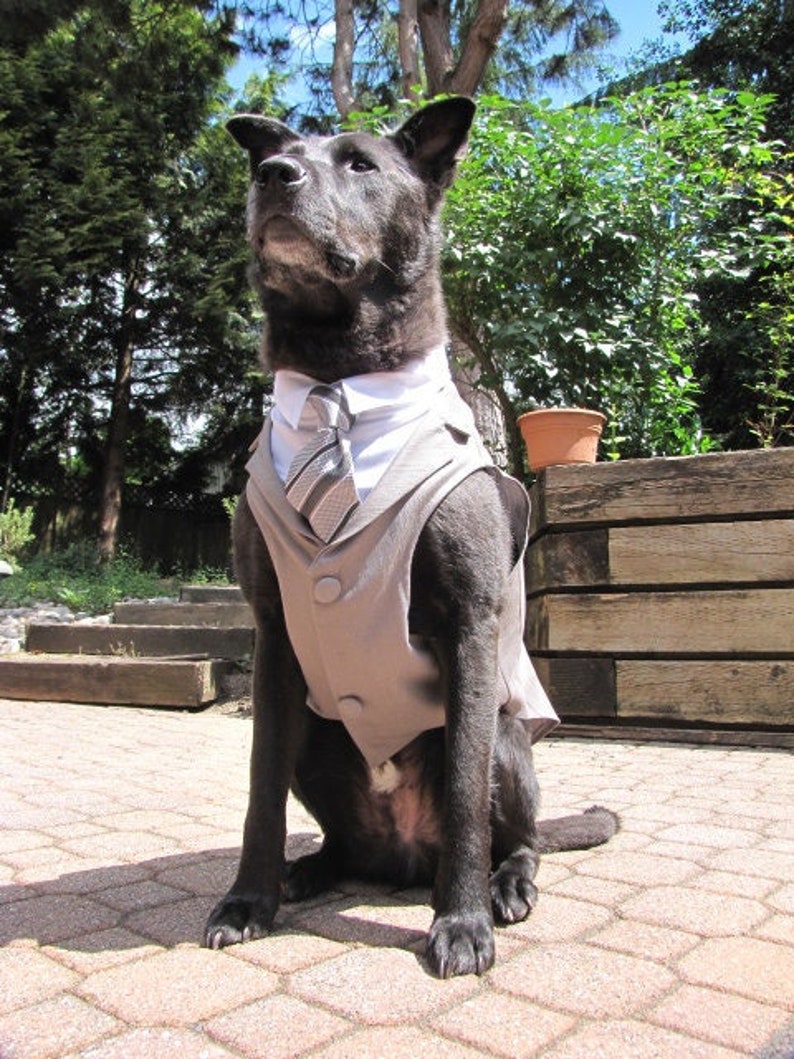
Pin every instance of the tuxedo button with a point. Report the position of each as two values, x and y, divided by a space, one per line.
351 704
327 589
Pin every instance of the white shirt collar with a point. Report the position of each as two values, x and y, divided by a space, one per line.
377 391
387 406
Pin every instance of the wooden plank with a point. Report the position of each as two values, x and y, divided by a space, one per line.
732 622
736 692
211 594
677 554
219 614
713 486
567 559
635 733
150 641
707 552
112 681
579 687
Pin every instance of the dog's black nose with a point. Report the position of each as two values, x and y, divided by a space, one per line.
280 170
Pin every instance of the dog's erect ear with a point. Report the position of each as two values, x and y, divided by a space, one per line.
434 138
262 137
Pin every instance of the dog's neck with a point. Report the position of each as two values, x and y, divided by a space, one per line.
351 331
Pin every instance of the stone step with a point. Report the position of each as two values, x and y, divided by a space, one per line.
133 641
111 680
210 594
226 615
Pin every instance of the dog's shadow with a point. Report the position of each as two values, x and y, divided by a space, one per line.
165 900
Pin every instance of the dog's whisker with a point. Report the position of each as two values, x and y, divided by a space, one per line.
382 265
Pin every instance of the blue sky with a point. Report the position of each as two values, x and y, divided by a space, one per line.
638 20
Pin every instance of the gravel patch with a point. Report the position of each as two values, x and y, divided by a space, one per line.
14 622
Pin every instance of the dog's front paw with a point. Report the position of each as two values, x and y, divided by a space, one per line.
237 918
513 894
460 944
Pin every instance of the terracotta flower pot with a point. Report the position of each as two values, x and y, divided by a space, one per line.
561 435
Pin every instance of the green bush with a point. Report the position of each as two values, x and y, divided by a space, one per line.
15 532
579 242
76 578
771 375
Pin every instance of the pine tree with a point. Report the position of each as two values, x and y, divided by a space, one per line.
102 108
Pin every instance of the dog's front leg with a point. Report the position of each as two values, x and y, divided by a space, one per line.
457 586
461 938
248 910
279 708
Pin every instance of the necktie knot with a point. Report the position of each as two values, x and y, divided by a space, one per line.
330 406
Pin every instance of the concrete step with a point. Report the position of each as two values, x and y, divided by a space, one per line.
133 641
225 615
210 594
111 681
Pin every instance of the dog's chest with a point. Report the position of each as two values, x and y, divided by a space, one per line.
398 807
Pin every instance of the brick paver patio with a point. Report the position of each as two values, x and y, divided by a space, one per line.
121 827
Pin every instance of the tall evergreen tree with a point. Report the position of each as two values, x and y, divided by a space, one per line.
747 363
103 106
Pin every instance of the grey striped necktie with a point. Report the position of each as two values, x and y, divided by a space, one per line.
320 478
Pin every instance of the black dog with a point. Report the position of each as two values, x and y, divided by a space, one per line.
344 231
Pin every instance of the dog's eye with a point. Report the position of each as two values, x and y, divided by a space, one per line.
359 163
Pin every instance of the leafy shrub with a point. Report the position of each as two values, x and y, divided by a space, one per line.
77 579
771 378
579 240
15 532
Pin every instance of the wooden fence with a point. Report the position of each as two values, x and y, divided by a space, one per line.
172 533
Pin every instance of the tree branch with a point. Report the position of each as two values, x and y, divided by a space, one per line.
479 46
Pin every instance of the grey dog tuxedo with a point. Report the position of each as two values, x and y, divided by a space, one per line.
346 600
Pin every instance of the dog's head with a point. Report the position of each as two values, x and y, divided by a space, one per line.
344 229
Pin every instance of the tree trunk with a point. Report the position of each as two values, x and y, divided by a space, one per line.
342 63
118 427
407 23
13 440
489 415
434 31
431 18
493 410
